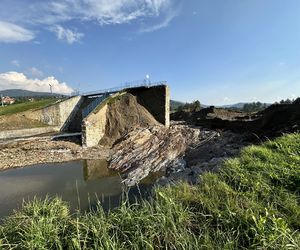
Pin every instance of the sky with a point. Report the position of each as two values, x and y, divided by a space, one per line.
215 51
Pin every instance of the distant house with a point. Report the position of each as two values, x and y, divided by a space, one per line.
31 99
8 100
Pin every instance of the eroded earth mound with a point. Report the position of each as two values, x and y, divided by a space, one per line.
273 121
125 113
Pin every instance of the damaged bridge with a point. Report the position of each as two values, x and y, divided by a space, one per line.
87 113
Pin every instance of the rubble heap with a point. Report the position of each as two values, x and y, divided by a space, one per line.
152 149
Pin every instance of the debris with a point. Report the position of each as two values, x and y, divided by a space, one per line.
155 148
36 150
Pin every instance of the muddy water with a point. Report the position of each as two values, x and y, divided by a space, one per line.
81 183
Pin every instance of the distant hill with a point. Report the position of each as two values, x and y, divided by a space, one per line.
175 104
240 105
25 93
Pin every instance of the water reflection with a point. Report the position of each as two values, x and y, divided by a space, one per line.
81 183
96 169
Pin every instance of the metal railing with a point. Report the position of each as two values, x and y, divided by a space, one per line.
88 109
127 85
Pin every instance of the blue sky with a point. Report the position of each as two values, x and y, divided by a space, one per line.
216 51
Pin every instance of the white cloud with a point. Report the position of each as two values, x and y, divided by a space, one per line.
35 72
165 23
16 80
66 34
53 14
10 32
103 11
16 63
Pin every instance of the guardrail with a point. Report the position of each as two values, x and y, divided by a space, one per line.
135 84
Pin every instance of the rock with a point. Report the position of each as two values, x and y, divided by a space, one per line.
197 170
145 150
178 166
184 152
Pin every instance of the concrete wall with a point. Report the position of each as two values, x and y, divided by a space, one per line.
93 127
156 100
66 108
20 133
56 114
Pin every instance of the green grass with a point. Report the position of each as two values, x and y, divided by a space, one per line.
252 203
21 107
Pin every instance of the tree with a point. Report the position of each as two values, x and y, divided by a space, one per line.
190 107
254 107
297 101
287 101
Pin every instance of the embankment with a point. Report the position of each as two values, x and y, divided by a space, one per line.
56 114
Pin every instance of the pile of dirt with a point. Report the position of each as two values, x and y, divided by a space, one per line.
280 118
210 113
123 114
273 121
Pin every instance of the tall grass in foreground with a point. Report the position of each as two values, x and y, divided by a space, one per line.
252 203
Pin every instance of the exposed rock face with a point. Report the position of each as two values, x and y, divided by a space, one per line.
208 156
154 148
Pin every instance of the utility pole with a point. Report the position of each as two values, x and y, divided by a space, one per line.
50 88
2 100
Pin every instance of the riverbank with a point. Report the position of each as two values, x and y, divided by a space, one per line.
252 202
21 153
181 151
